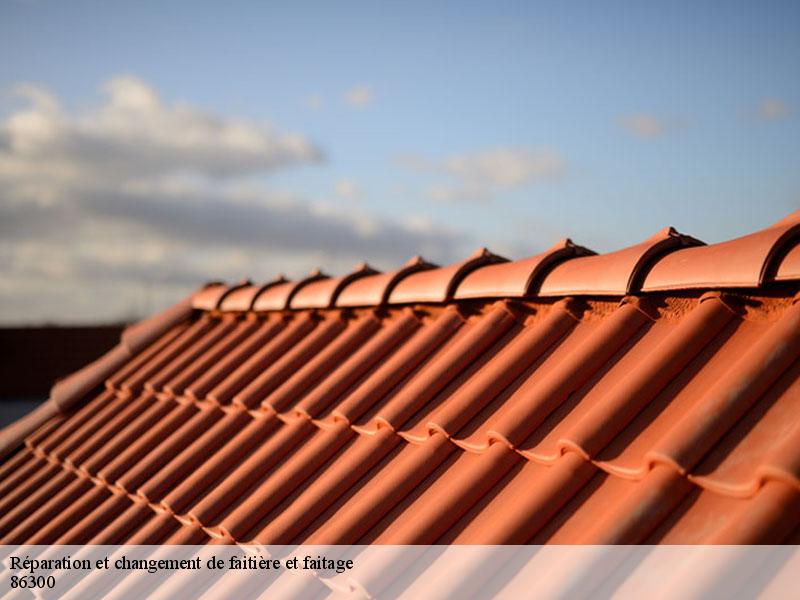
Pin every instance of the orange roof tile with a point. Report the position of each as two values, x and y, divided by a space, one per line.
646 395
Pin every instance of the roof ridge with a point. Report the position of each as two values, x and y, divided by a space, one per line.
666 261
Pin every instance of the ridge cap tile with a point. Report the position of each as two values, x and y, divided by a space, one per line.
211 298
748 261
279 296
614 273
439 285
322 293
374 290
242 299
519 277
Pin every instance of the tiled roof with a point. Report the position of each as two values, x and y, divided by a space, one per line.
645 395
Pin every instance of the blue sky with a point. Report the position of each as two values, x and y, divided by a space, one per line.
433 127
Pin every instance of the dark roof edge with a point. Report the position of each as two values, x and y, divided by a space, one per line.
13 435
67 392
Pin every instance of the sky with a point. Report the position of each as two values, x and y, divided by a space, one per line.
148 147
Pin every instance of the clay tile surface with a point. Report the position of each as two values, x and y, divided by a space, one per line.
439 285
243 297
374 290
743 262
519 277
615 273
210 297
505 417
789 266
323 292
278 297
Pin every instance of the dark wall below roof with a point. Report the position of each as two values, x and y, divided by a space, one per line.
32 358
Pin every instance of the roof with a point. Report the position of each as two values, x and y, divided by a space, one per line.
645 395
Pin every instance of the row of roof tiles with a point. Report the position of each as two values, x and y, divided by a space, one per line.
667 261
622 424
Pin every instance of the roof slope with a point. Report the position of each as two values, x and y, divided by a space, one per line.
646 395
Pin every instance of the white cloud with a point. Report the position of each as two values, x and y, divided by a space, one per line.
506 167
347 189
479 175
360 96
644 125
773 109
124 207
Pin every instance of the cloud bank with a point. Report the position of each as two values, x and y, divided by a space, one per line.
117 210
479 175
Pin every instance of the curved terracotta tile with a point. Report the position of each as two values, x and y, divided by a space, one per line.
154 531
189 355
375 387
374 290
121 528
240 479
33 498
103 415
212 297
725 402
612 510
526 503
77 420
154 411
209 357
76 510
328 329
627 454
764 445
772 514
439 285
95 521
503 368
519 277
625 400
16 469
325 360
135 381
115 380
192 456
47 510
705 517
789 266
249 369
283 480
243 444
168 448
391 337
323 293
743 262
445 366
241 298
397 478
545 443
460 485
278 297
135 452
335 480
616 273
43 478
534 402
48 420
237 357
